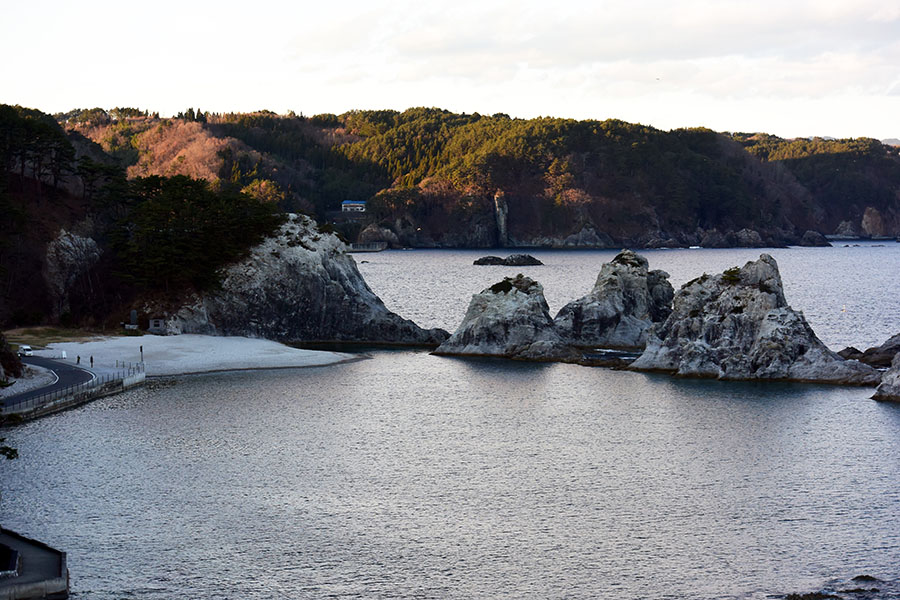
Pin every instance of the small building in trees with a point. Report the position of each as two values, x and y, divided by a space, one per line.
157 326
353 206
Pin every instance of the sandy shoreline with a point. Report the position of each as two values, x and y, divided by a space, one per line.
189 353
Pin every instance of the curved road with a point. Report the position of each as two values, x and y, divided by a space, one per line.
68 375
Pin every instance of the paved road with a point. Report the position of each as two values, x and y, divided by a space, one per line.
68 375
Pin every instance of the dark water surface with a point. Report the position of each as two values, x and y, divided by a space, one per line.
414 476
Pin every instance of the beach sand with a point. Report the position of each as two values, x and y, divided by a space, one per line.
189 353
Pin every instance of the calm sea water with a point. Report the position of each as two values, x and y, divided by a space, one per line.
414 476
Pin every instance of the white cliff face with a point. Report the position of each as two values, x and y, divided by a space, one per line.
618 312
68 257
509 319
737 325
297 285
889 389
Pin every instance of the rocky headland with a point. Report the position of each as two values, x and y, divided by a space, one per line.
738 325
510 319
625 301
299 284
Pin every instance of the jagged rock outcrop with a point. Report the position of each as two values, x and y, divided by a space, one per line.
814 238
889 388
625 301
374 233
880 356
297 285
513 260
748 238
847 229
68 257
510 319
738 325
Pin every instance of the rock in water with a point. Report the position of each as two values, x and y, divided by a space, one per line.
889 389
625 301
814 238
297 285
488 260
513 260
880 356
510 319
738 325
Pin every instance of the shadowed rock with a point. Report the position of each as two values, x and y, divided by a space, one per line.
509 319
880 356
513 260
738 325
618 312
889 389
814 238
297 285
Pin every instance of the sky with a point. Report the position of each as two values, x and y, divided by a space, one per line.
788 67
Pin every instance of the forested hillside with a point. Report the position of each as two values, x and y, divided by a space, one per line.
149 207
80 242
432 177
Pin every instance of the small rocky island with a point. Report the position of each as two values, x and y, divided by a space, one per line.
617 313
738 325
510 319
513 260
299 284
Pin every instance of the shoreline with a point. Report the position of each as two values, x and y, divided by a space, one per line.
190 354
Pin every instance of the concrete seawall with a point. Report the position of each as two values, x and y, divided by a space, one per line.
77 397
40 571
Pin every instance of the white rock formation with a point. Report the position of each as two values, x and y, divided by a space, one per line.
738 325
297 285
625 301
510 319
889 389
68 257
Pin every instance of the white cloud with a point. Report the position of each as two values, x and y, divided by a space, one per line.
666 63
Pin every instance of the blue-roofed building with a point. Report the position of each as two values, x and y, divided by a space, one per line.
353 206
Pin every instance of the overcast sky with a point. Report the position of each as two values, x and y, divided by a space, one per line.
788 67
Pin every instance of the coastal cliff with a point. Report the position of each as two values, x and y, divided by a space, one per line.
510 319
624 302
738 325
297 285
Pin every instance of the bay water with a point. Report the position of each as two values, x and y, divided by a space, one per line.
406 475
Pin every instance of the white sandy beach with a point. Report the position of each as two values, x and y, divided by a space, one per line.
188 353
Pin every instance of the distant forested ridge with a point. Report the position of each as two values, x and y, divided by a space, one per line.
436 178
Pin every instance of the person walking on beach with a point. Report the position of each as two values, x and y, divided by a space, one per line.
92 361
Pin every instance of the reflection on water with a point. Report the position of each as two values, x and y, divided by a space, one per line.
415 476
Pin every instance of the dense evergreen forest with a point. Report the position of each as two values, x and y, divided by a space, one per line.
171 200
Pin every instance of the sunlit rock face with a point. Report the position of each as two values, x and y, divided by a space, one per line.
510 319
738 325
298 285
624 302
